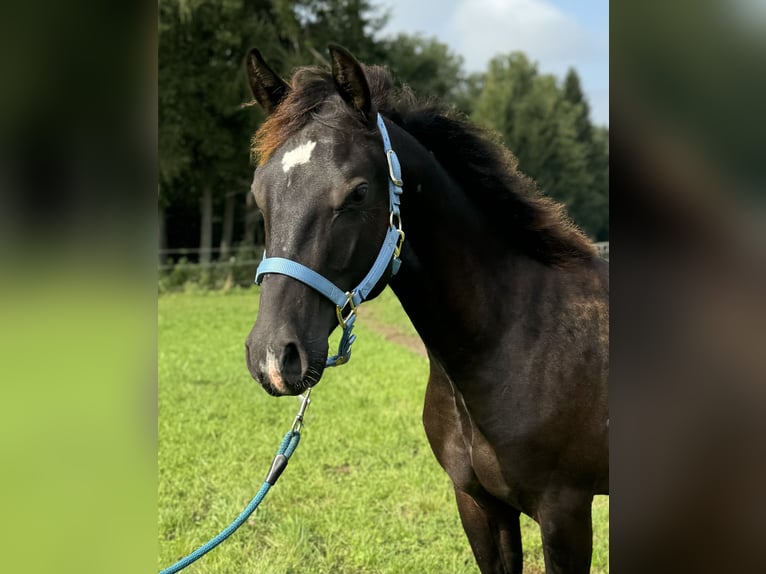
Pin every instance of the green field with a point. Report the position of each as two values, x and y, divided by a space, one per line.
363 492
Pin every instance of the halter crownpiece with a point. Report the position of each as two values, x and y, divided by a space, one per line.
387 256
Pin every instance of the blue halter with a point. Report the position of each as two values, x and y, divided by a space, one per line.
388 255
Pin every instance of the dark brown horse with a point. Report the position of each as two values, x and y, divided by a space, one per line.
508 296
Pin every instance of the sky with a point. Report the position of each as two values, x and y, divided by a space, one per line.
557 34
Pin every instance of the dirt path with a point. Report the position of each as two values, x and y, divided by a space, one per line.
392 334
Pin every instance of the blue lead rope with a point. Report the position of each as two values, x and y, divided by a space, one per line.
346 304
285 451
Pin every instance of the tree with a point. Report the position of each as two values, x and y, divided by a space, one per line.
573 94
203 130
547 127
351 23
468 91
426 65
597 141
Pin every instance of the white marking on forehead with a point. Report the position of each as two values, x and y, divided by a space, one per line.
301 154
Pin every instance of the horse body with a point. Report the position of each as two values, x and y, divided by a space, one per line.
516 403
511 304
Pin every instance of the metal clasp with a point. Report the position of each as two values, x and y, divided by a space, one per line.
298 422
399 243
349 303
395 222
397 182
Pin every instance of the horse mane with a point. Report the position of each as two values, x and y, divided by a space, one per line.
486 171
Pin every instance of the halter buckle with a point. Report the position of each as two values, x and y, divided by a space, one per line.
349 303
389 154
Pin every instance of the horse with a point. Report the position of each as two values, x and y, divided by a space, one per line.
509 297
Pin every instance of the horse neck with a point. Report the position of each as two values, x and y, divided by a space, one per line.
453 264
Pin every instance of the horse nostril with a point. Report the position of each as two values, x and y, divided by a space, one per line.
291 362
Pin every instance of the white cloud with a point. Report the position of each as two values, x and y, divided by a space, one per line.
575 34
484 28
419 17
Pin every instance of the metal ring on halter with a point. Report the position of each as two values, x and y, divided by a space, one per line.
339 310
398 217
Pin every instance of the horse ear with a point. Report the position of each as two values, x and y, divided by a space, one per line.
350 79
268 88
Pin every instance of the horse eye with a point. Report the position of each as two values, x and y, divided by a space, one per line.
360 192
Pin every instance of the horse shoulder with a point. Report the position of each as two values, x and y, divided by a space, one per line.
448 428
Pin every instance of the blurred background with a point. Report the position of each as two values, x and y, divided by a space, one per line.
83 84
534 71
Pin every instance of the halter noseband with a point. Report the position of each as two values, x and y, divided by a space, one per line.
387 256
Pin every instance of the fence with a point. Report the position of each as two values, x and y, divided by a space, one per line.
180 267
242 255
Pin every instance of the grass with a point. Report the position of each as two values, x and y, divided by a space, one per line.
363 492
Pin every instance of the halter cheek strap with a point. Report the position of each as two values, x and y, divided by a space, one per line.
348 301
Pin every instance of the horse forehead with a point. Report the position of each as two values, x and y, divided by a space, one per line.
316 155
312 156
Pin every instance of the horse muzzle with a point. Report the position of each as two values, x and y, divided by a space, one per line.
282 365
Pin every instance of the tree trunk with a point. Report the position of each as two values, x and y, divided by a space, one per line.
228 227
206 226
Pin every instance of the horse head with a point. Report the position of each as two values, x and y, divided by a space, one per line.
322 187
